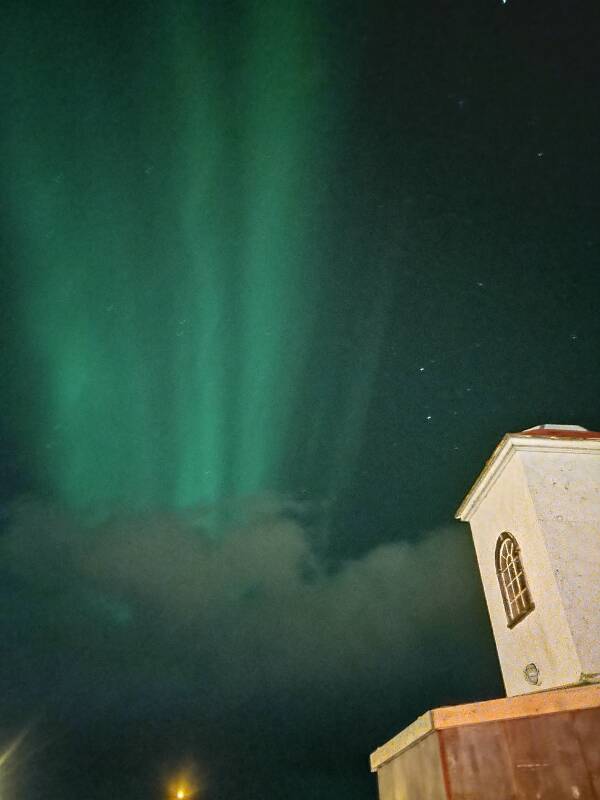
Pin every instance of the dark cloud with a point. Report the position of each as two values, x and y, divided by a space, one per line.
148 620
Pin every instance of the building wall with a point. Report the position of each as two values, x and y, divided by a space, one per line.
543 636
564 484
553 756
414 774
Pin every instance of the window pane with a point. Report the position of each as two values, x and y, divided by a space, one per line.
511 578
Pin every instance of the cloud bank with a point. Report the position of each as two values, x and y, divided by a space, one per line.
146 619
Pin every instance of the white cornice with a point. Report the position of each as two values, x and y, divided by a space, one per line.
418 729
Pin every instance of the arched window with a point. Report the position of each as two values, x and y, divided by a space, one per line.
511 577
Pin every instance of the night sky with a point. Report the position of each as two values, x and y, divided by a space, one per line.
275 279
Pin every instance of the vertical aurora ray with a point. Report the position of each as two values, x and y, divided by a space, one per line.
277 273
247 176
199 366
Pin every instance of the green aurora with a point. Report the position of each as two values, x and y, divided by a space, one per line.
168 192
259 247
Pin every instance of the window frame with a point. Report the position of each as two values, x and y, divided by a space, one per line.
512 580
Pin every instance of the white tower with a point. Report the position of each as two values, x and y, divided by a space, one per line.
534 513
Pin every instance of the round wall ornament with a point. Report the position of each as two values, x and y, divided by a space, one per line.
532 674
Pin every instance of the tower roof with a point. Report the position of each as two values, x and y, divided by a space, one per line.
547 436
561 431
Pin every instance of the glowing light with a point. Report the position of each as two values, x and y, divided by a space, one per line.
184 786
7 758
183 791
12 748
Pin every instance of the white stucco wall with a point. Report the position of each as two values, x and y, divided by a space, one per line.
564 484
543 637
